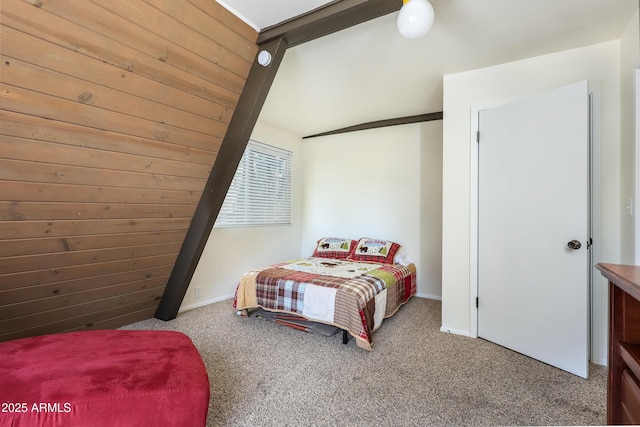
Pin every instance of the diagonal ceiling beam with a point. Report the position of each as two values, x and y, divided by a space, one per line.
327 20
381 123
334 17
233 144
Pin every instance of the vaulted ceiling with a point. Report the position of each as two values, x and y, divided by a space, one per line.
369 72
263 14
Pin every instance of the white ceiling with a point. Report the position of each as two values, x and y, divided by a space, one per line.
369 72
261 14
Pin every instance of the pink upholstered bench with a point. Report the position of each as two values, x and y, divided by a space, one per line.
103 378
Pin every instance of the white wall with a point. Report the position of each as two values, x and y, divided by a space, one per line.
502 83
629 61
381 183
232 251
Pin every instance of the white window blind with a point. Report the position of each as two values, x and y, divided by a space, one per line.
260 193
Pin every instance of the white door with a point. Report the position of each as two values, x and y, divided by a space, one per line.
533 227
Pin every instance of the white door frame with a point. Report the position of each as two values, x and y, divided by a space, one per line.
637 168
598 295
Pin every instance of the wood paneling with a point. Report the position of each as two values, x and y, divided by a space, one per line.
76 286
15 311
78 243
112 114
54 260
150 152
35 211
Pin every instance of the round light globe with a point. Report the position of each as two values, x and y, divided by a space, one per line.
264 58
415 19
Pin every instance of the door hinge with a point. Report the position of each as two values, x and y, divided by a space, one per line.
477 136
476 302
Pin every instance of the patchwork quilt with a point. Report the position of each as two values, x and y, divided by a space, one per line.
354 296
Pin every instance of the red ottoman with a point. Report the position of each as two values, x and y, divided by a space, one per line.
103 378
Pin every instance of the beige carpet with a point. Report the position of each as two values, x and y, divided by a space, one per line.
263 374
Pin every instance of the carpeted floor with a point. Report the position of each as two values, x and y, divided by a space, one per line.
270 375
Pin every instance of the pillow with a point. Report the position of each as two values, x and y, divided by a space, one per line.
402 257
334 247
374 250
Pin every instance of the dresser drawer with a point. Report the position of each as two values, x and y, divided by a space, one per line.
630 398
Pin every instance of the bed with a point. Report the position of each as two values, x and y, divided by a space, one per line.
350 284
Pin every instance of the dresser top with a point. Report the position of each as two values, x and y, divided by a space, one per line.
626 277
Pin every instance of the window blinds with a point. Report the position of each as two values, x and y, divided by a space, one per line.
260 193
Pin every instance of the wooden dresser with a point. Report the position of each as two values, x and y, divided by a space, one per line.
623 389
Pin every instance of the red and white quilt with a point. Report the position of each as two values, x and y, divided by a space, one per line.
354 296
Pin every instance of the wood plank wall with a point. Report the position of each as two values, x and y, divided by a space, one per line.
111 116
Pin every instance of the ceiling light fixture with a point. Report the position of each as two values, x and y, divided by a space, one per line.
264 58
415 18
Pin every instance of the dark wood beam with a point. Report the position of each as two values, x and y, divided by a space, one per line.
382 123
224 168
334 17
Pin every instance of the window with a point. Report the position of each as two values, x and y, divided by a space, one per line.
260 193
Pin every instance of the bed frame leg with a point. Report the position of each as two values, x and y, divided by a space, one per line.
345 336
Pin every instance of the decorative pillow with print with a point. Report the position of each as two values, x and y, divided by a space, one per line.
334 247
374 250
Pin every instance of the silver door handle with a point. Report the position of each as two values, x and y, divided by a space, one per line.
574 244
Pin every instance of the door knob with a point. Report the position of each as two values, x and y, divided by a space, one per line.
574 244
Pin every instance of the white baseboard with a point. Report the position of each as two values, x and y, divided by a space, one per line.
600 361
429 296
454 331
205 302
